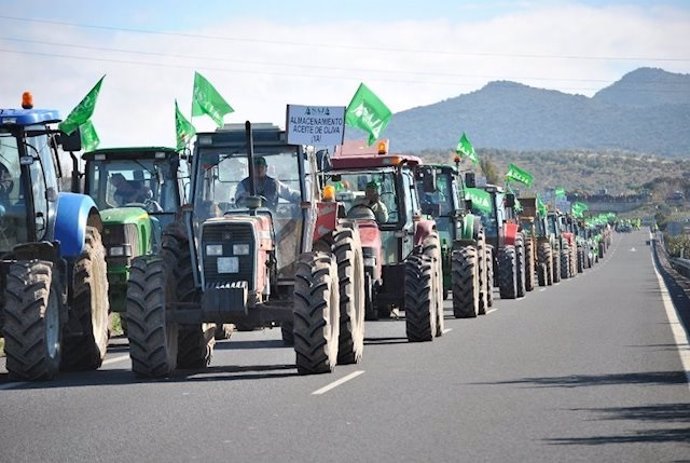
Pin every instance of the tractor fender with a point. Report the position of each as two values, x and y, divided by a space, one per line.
74 213
511 231
370 237
326 219
471 226
423 229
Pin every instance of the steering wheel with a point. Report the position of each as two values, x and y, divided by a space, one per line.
242 200
361 211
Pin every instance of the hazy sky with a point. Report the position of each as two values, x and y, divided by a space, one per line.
263 55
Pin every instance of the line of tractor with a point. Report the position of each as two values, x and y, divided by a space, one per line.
249 232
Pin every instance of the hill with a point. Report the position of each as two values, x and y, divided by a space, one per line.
648 110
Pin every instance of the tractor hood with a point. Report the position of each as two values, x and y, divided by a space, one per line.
123 215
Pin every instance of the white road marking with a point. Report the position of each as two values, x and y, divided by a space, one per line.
338 382
119 358
679 333
447 330
11 385
541 290
491 311
633 249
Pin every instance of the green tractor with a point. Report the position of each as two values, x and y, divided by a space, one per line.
463 244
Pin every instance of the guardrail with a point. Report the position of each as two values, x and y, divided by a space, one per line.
682 266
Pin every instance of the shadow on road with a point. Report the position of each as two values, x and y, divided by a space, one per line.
242 345
673 413
651 378
125 376
385 341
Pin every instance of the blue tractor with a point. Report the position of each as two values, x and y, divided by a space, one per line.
54 298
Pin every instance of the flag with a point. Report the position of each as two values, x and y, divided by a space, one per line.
207 100
466 149
184 129
83 111
578 208
541 207
89 137
559 192
367 112
519 175
481 200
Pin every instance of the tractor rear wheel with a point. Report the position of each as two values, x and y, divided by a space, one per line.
520 260
484 285
507 272
32 327
347 249
419 299
529 265
195 345
565 263
287 334
544 264
556 264
580 259
431 247
316 313
489 256
89 306
465 273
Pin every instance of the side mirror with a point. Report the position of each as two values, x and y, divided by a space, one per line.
71 143
468 204
428 176
510 200
470 180
323 160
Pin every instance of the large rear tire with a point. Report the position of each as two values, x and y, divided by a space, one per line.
287 334
152 337
431 247
530 273
316 313
347 249
465 274
521 266
32 327
565 263
544 263
90 307
556 264
484 285
489 275
507 272
420 304
195 345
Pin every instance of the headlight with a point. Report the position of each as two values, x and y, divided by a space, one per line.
120 251
117 251
240 249
214 249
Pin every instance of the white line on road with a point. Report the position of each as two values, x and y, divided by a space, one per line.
338 382
447 330
491 311
679 334
541 290
119 358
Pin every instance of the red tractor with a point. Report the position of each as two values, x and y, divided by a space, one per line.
402 250
256 247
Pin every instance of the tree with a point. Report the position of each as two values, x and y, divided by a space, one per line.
489 170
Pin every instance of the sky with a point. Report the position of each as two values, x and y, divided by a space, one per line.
263 55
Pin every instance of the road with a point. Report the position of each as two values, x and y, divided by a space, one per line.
588 370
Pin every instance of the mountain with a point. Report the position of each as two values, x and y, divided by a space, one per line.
648 110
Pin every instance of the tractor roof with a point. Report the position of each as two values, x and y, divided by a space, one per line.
24 117
234 136
357 154
492 188
134 152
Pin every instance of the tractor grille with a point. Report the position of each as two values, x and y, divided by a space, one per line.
227 235
120 235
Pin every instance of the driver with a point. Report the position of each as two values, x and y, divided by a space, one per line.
266 186
127 192
6 184
372 201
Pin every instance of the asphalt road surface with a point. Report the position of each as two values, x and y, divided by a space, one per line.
588 370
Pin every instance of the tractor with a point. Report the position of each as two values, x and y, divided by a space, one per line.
505 241
463 245
402 250
54 299
256 246
533 230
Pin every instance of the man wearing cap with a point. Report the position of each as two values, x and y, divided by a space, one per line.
266 186
373 202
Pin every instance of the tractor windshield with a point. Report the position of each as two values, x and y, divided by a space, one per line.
368 194
13 222
445 196
222 186
149 183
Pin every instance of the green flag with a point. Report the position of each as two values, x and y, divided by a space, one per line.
578 208
89 137
519 175
543 210
481 200
367 112
83 111
207 100
184 129
466 149
559 192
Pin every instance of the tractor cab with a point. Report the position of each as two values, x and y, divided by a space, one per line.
493 219
139 191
